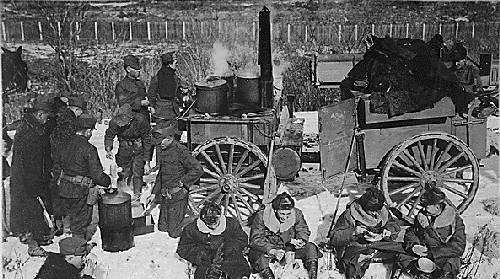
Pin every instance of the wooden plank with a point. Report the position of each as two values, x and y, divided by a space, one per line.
475 138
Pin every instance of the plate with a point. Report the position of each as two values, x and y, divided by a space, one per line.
426 265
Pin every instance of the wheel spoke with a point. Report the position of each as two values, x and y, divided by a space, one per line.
414 206
207 188
458 169
403 179
249 168
433 153
454 191
407 169
230 160
422 154
441 156
249 185
211 173
226 204
403 202
209 180
451 162
412 159
210 196
240 162
458 180
209 160
250 208
404 188
248 193
245 179
219 155
233 198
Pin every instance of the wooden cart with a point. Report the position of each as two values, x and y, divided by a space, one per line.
406 153
234 154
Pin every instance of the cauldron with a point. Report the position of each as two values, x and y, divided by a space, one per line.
212 96
248 89
115 221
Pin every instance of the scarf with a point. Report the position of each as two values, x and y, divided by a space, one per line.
446 218
358 214
274 225
202 227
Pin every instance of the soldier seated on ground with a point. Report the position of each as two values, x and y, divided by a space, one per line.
438 234
72 262
214 244
365 221
278 229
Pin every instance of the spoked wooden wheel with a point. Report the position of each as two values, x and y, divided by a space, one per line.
234 176
429 160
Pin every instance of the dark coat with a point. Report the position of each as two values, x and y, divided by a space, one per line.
200 245
139 128
63 131
130 91
30 177
444 236
176 164
56 267
267 233
80 158
164 85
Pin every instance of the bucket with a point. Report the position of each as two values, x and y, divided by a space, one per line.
248 89
211 96
115 222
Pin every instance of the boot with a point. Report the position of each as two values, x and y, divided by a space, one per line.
312 268
59 228
34 250
267 273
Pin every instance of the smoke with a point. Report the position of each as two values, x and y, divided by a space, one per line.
219 58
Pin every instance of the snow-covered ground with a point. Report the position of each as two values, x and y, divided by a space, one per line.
154 254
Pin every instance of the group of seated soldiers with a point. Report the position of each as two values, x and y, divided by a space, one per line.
431 248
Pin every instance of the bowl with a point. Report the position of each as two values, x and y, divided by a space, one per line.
426 265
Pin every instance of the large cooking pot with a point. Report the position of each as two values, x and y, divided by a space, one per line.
115 222
212 96
248 89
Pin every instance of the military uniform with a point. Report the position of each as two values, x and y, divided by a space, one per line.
177 166
81 170
130 90
134 144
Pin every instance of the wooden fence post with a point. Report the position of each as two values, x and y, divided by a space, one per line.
113 30
288 32
473 30
59 28
130 30
149 30
201 28
77 30
373 29
456 31
390 30
166 30
440 29
355 32
340 32
407 30
22 32
4 33
183 30
253 30
423 31
40 31
95 30
306 34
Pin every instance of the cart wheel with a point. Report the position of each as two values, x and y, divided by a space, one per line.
429 160
234 177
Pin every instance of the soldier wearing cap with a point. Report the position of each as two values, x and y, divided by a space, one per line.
64 131
214 243
438 233
365 220
178 171
81 171
131 90
279 228
165 91
30 177
134 151
72 262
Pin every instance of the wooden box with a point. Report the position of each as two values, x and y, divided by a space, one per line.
143 224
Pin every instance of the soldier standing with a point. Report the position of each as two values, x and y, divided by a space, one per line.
81 171
134 151
178 171
131 90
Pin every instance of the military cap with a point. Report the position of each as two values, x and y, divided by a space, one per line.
166 131
85 121
167 58
432 196
73 246
372 200
132 61
42 103
283 201
76 101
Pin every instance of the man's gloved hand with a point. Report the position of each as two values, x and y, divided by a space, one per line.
144 103
277 253
420 250
109 154
147 168
359 230
214 272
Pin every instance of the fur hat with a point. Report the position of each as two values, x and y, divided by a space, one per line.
167 58
166 131
210 212
432 196
131 61
73 246
372 200
283 201
42 102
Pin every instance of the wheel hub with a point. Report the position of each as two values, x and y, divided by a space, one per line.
228 183
429 177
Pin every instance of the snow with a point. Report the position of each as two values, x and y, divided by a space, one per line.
154 254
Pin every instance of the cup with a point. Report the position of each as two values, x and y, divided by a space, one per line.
289 257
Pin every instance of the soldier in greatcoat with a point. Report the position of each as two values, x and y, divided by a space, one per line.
30 177
366 220
178 171
131 90
214 244
81 171
134 151
277 229
438 233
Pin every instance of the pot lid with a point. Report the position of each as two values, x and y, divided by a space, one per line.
212 83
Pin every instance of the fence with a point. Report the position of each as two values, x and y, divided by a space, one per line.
321 32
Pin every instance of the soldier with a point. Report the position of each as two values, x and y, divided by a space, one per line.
437 234
165 91
81 171
178 171
30 177
277 229
131 90
365 220
134 151
214 244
